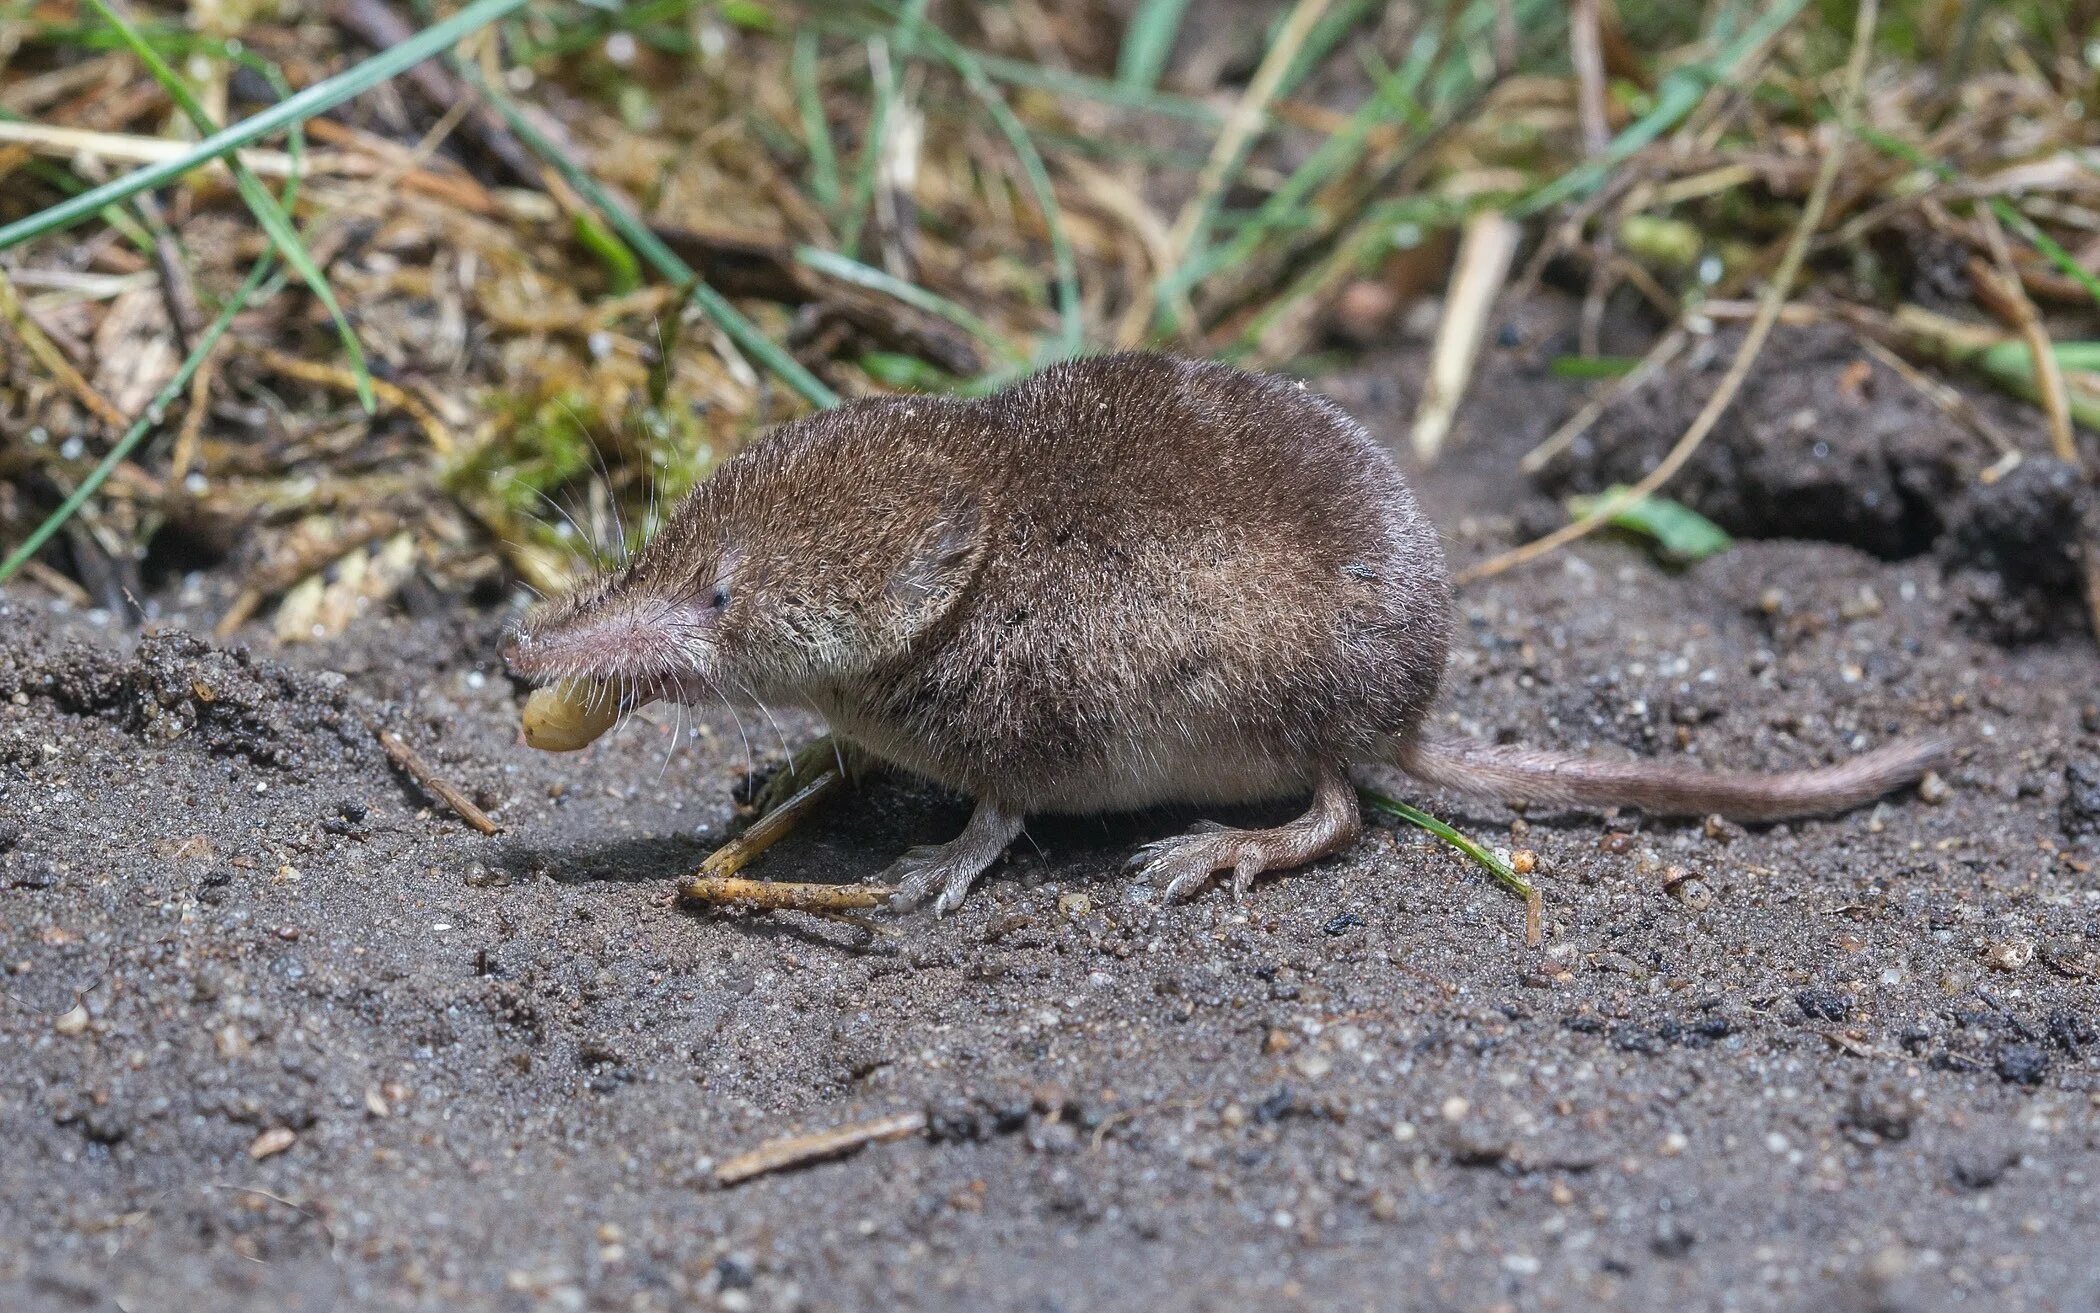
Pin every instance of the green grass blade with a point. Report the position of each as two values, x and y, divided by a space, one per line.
1395 96
1472 848
321 96
878 280
651 248
1680 93
2008 356
268 213
1072 331
153 414
883 87
1147 42
1682 533
622 271
816 131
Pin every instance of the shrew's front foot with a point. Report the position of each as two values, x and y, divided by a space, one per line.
809 762
953 866
1188 861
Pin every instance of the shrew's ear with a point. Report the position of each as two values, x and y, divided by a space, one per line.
939 566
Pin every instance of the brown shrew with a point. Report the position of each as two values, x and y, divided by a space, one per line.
1125 580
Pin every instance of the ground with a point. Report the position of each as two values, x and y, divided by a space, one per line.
278 1035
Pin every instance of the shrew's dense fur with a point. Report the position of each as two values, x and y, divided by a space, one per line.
1125 580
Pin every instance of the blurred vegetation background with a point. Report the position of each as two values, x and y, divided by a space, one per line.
487 286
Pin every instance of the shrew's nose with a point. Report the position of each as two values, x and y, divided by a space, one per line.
515 648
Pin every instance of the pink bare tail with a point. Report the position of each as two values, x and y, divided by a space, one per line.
1566 779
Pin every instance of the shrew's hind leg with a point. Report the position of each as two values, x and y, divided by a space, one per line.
1188 861
953 866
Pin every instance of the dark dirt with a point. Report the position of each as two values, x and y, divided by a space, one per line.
1827 444
275 1035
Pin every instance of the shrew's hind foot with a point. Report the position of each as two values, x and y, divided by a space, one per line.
1187 862
954 866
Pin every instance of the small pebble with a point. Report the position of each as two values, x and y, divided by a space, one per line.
272 1142
1933 790
2009 954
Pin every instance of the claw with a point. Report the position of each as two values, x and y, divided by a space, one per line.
952 867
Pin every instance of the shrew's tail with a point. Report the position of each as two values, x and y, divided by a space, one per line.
1566 779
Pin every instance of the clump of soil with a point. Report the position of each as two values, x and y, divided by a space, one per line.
1823 442
176 685
2013 549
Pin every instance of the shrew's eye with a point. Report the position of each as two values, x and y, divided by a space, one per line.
720 600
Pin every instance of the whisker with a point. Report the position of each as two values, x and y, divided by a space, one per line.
750 763
581 543
767 712
603 481
677 737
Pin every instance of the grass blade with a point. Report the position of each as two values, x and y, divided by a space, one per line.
883 80
816 130
1147 42
1681 533
1472 848
1678 95
1072 332
321 96
1394 96
862 275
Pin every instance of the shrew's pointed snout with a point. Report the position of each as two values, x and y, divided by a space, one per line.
623 638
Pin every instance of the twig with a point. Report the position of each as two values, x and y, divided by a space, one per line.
2091 560
421 771
1949 400
1485 250
739 852
1126 1115
783 895
801 1150
184 452
1586 52
1746 355
62 585
342 380
177 292
16 316
129 148
2009 298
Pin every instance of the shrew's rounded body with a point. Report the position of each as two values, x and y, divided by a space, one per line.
1197 585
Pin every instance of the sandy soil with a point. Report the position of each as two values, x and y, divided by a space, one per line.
276 1035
